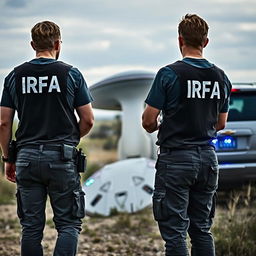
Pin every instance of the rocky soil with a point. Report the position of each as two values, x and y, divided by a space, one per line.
123 234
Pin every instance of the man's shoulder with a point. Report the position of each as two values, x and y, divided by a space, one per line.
173 64
75 73
19 66
170 70
165 76
64 64
225 77
167 70
218 68
9 78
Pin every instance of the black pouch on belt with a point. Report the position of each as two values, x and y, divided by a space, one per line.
67 152
81 161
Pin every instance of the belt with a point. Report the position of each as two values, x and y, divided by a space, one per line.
59 148
192 147
44 147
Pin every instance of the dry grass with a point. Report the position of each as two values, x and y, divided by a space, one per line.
7 190
235 226
137 234
100 236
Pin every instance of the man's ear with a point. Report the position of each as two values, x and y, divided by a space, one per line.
181 40
206 42
32 45
57 45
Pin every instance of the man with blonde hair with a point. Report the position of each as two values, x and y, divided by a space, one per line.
193 95
46 93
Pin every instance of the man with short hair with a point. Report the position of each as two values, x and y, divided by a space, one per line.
46 93
193 95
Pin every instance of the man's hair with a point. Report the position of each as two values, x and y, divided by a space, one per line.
194 30
44 34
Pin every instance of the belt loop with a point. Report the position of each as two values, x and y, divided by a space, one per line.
41 147
199 150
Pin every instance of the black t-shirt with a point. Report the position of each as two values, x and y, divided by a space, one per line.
191 98
45 94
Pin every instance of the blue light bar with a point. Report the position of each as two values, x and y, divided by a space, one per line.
224 142
214 141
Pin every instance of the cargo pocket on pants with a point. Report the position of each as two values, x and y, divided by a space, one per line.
212 213
19 205
78 210
159 207
213 177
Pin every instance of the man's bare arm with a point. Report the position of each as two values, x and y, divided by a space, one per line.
6 120
221 123
86 119
149 119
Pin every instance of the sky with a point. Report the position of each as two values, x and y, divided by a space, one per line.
102 38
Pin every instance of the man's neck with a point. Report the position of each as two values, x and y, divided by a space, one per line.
189 52
46 54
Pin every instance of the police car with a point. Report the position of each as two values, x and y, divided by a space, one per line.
236 144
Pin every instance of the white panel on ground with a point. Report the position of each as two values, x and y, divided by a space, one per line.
125 186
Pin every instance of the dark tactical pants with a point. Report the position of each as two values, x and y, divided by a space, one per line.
184 200
41 172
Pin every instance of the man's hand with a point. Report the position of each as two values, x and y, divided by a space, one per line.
10 172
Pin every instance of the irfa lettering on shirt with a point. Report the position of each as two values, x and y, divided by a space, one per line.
197 89
32 84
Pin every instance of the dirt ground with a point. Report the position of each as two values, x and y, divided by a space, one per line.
124 235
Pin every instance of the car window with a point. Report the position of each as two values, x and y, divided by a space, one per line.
242 107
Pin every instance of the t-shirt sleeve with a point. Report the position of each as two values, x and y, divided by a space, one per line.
156 96
228 88
82 93
7 100
163 82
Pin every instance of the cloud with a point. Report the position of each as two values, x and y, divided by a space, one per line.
105 37
242 75
250 27
90 46
16 3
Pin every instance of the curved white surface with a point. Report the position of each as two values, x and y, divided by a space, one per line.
126 186
127 92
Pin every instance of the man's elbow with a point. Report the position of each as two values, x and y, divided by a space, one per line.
89 122
148 126
5 124
85 125
220 126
